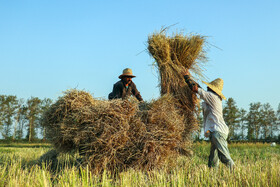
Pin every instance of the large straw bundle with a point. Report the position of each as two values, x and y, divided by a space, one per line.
119 134
172 55
115 134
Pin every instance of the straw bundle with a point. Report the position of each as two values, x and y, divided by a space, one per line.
172 55
115 134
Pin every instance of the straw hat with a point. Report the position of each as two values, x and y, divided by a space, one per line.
127 72
217 86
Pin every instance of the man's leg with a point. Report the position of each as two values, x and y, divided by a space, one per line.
213 157
220 142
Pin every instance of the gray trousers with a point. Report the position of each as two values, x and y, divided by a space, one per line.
219 150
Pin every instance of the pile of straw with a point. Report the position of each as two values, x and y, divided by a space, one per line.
115 134
120 134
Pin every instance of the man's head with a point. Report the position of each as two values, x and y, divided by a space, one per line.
127 79
216 86
209 89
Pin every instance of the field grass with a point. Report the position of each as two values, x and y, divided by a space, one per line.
256 165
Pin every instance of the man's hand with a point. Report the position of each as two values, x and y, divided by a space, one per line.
195 88
207 134
185 71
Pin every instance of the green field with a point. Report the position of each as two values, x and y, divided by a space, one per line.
256 165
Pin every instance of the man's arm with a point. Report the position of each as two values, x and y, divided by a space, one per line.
116 93
206 96
139 97
136 93
192 84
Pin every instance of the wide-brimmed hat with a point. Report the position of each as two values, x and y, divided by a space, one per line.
127 73
217 86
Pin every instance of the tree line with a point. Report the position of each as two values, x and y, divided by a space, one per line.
260 122
21 119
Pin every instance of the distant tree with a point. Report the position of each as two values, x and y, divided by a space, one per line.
17 109
268 121
278 120
20 120
8 105
33 111
45 105
254 121
231 117
278 112
2 113
199 117
201 123
243 122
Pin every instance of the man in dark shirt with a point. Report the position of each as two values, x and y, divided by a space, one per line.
125 87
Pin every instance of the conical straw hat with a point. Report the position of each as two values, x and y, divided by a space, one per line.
217 86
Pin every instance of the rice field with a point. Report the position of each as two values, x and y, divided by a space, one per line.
256 165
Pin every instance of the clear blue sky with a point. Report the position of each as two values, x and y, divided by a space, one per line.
49 46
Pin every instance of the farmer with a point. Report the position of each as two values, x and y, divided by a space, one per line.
125 87
214 125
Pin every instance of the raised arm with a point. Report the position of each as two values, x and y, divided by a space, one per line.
192 84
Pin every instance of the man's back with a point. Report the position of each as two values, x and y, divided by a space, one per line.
214 120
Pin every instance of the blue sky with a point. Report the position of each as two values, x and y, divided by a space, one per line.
49 46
